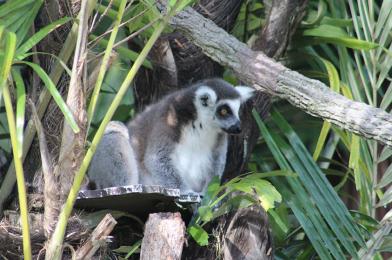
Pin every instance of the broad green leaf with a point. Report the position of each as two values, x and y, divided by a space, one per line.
20 110
214 184
199 234
135 24
134 247
245 187
267 193
278 220
205 213
13 5
316 183
55 93
93 219
238 202
354 160
39 36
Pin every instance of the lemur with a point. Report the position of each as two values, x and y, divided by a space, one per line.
179 142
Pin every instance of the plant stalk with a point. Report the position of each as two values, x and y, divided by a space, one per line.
58 235
104 64
19 174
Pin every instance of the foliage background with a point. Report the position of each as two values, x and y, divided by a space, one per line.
324 47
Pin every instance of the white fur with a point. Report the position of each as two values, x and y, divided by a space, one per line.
193 155
245 92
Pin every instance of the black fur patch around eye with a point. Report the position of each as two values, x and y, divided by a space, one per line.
223 107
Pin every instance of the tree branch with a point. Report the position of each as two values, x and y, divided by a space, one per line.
261 72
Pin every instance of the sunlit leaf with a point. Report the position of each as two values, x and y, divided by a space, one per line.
238 202
199 234
205 213
245 187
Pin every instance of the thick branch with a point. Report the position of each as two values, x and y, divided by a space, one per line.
261 72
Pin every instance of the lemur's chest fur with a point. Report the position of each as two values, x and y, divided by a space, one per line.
194 156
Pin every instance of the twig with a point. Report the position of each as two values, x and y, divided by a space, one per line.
121 25
97 238
126 39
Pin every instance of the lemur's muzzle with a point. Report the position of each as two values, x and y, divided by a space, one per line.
235 129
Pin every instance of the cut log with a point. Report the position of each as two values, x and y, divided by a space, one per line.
164 236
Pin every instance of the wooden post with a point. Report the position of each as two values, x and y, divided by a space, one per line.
164 236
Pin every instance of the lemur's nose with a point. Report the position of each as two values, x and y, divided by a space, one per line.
235 129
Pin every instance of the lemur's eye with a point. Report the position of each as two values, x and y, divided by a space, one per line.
223 112
239 110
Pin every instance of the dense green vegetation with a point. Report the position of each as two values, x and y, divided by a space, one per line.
335 187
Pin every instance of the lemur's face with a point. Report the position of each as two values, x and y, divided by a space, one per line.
224 113
227 116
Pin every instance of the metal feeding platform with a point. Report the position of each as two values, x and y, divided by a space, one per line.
135 199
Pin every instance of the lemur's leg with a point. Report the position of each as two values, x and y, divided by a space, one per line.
114 162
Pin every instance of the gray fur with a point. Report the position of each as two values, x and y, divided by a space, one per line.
179 142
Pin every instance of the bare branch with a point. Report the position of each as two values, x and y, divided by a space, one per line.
261 72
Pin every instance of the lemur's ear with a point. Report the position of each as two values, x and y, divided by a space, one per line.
206 96
205 99
245 92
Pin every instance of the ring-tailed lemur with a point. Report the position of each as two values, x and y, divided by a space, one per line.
179 142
